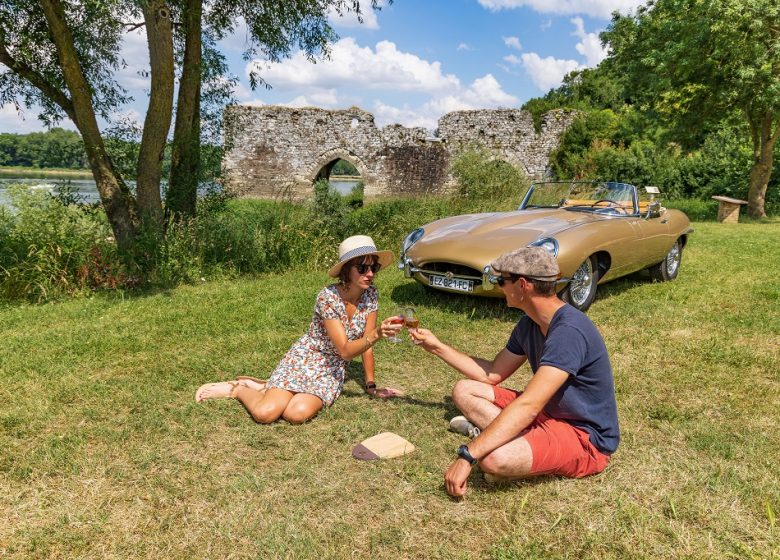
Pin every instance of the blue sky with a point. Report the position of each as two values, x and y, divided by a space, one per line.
412 61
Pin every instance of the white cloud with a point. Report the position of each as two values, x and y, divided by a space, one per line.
135 53
596 8
589 45
483 93
513 43
513 59
327 99
384 67
350 19
548 72
546 25
386 114
464 47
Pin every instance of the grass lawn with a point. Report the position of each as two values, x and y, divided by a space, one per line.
44 172
104 453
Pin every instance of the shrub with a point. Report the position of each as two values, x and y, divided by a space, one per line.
49 249
485 182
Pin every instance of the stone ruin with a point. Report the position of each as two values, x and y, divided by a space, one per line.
274 151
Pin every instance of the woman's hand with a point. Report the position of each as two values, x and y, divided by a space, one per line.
390 326
384 392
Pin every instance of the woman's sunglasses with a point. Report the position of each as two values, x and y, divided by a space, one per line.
363 268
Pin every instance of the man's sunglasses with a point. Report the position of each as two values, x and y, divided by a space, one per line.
500 280
363 268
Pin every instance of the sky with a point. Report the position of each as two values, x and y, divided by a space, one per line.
408 63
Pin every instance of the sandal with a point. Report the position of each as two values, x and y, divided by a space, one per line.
261 382
212 391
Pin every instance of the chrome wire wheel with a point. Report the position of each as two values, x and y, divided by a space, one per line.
581 284
673 258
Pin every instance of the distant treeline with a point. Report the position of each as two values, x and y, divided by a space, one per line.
55 148
60 148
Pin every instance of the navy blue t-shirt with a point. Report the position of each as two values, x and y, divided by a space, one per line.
574 345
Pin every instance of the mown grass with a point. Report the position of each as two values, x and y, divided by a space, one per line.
104 454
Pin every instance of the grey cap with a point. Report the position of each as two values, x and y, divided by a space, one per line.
533 262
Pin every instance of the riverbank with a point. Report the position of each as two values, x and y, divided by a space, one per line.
44 173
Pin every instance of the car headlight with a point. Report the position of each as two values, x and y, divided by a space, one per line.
549 244
411 239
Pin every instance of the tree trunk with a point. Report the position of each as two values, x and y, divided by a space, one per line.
116 197
185 156
761 171
159 33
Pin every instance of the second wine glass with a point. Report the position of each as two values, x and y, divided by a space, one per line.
399 316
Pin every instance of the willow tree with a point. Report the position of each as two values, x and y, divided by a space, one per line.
63 55
697 62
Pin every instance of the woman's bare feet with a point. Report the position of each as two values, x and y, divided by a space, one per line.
210 391
252 382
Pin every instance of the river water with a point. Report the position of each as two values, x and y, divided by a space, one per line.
87 191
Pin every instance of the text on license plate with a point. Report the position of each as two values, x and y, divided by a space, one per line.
451 283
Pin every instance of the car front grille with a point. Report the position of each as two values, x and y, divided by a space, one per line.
456 270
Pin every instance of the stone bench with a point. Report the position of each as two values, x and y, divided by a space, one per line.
728 209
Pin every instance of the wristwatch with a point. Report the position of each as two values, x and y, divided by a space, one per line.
463 453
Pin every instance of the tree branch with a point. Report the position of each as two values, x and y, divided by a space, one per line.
133 26
23 70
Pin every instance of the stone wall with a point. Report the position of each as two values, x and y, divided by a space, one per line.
279 151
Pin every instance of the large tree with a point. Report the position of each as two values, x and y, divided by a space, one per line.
696 63
63 55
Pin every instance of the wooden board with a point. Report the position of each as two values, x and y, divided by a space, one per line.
382 446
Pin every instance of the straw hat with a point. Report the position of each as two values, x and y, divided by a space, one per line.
359 246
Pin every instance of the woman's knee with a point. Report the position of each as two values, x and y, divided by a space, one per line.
265 413
300 412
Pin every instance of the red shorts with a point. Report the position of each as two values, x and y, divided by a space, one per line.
557 446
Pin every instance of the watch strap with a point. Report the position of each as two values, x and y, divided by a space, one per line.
464 453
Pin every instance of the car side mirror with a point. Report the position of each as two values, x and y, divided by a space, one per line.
654 209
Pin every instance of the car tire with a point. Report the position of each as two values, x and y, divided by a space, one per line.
581 289
668 268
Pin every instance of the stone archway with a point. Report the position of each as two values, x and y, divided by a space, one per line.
326 160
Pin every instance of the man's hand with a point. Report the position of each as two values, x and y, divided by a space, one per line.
456 476
425 338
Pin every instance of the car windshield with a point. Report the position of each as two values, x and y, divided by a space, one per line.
600 197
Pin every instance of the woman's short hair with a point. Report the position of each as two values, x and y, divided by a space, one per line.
344 272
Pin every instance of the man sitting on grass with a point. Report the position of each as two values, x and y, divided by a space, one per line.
565 420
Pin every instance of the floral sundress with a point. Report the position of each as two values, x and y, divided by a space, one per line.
313 365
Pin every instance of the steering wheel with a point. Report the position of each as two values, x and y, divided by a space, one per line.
612 204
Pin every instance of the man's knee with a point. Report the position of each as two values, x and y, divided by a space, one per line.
509 460
467 389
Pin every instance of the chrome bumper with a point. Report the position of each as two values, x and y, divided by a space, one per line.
410 270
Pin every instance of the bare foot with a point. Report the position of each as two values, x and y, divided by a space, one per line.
252 383
210 391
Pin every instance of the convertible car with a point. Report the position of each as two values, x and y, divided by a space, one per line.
598 231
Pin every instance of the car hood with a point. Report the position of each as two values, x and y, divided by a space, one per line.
478 238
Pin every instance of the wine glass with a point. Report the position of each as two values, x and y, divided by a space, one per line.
399 317
410 319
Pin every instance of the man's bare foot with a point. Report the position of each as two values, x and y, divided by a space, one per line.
210 391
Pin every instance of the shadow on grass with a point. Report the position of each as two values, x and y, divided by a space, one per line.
412 293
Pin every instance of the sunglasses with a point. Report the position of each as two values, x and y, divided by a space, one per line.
363 268
501 280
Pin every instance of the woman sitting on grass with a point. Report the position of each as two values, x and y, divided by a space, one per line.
343 326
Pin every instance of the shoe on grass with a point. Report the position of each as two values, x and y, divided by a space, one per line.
461 425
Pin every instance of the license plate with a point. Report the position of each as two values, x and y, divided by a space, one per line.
451 283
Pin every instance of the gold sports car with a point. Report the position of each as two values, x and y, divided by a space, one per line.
598 231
